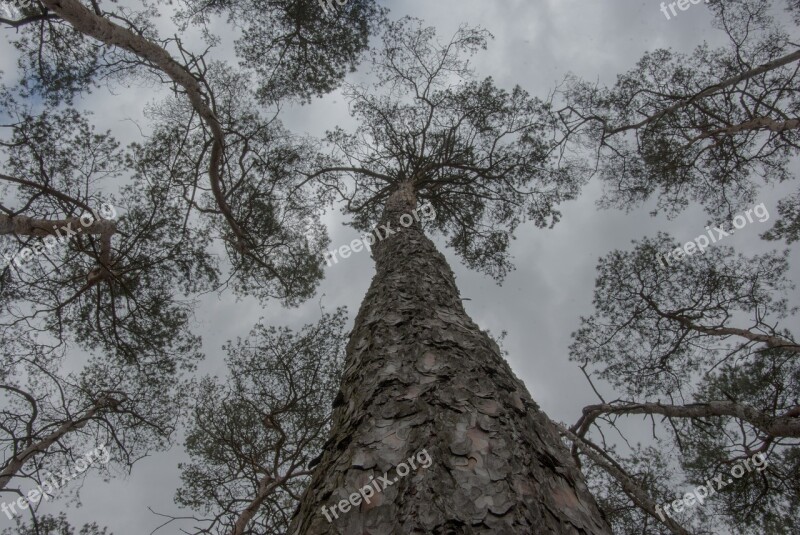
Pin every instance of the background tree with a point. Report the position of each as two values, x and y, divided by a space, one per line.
699 352
705 127
108 292
50 418
251 437
266 50
121 290
419 373
696 348
55 525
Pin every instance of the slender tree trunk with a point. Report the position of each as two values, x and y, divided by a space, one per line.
18 461
420 375
265 487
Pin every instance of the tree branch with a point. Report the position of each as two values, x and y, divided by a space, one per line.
769 340
105 31
47 189
758 123
631 488
780 62
19 460
787 425
265 488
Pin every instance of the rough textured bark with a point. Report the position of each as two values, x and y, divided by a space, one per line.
421 375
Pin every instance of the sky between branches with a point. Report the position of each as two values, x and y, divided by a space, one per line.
535 45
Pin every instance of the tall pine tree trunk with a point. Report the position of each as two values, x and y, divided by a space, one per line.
421 375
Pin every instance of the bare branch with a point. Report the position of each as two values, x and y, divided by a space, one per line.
787 425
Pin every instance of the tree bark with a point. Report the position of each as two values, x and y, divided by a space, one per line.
265 487
421 375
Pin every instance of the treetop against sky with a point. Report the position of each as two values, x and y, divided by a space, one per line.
613 190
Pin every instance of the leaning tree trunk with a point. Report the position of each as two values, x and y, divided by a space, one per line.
420 375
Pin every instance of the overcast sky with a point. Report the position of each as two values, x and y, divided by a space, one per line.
536 43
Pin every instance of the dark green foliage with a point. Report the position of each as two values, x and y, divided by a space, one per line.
477 153
705 330
52 525
788 226
252 436
639 331
58 63
705 127
134 315
264 192
294 47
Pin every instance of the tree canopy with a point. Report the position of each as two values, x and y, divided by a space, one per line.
707 127
110 246
214 170
478 154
